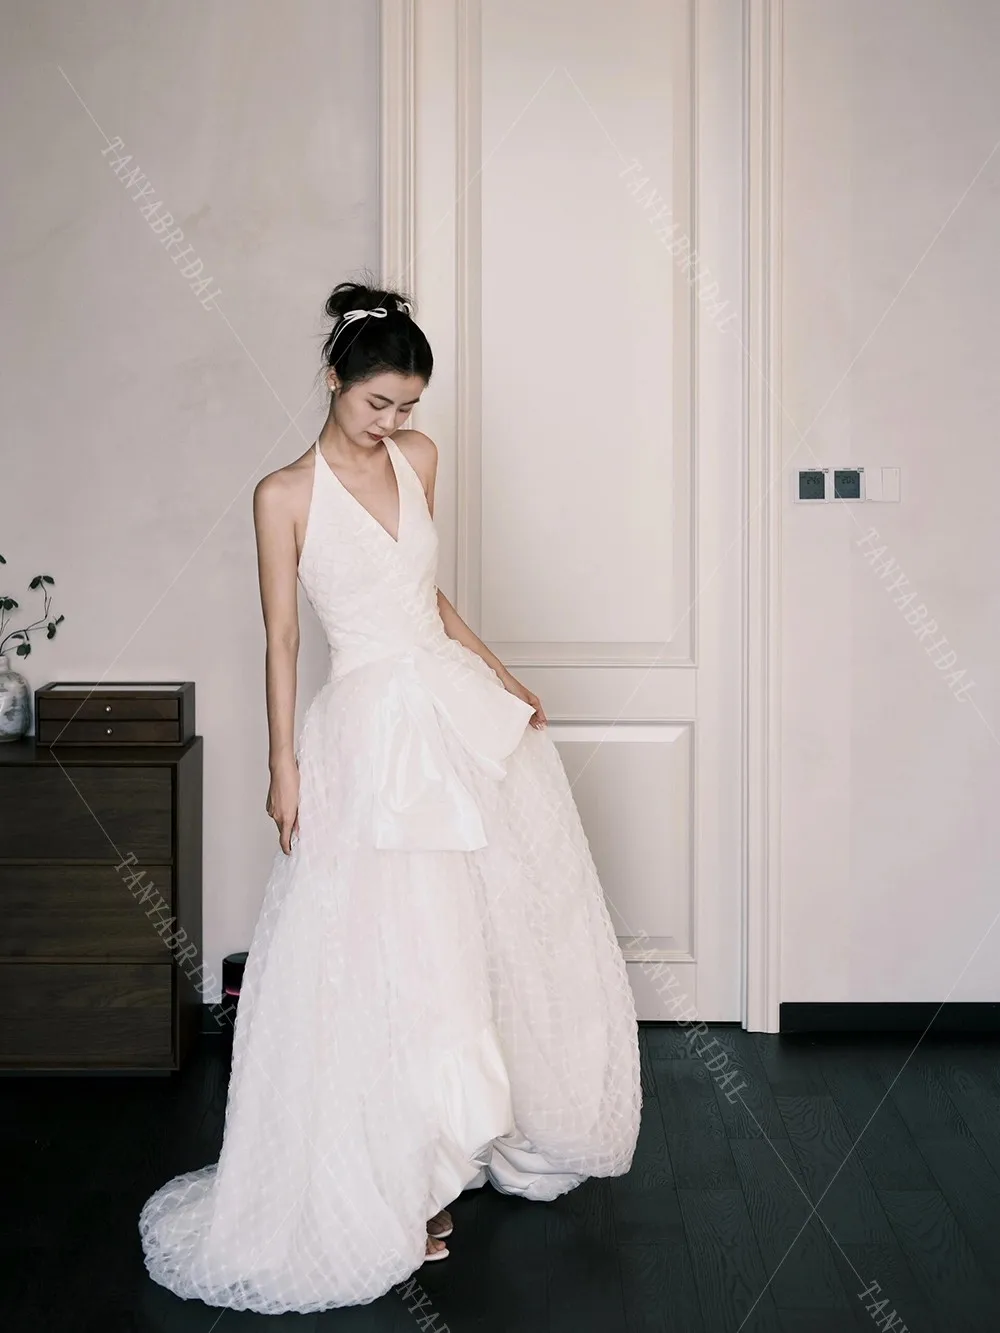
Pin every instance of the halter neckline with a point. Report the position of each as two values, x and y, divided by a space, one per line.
390 448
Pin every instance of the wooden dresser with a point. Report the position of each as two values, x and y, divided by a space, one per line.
101 964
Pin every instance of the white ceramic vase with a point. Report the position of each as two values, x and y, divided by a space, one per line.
15 702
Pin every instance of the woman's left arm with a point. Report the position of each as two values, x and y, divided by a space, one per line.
424 460
456 628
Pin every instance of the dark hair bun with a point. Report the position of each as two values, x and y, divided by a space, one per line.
366 347
358 296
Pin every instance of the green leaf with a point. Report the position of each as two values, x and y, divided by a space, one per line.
48 578
22 650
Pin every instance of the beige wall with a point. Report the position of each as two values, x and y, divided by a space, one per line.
890 835
136 421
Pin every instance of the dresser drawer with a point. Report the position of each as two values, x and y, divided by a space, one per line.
86 912
87 813
109 731
77 1015
105 709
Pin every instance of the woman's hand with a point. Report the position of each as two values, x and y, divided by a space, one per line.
515 687
283 802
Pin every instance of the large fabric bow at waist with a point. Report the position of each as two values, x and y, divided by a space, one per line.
420 803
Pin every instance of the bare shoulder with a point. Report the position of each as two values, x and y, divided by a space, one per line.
283 495
421 453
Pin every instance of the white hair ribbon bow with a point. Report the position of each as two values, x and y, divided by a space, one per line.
346 318
378 312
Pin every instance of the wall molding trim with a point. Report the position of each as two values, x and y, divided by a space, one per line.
762 28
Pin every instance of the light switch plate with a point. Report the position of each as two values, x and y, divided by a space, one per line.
890 483
819 485
883 484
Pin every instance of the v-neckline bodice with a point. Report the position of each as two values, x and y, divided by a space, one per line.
390 447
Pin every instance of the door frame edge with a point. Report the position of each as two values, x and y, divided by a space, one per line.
396 129
764 499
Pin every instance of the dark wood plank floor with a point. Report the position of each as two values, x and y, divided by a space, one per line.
712 1231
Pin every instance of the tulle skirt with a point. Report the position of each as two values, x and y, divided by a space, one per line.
411 1024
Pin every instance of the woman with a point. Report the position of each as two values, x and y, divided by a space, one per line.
434 996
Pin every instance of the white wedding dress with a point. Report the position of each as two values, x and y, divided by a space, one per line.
434 996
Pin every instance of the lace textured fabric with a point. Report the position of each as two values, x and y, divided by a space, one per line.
434 996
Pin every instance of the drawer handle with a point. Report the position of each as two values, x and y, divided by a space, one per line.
108 731
107 708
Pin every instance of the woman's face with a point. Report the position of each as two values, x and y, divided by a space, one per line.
378 406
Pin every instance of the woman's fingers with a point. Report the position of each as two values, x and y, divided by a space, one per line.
286 836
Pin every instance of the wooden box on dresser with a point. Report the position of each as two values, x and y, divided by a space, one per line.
100 871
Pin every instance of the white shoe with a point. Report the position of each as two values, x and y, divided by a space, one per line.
431 1255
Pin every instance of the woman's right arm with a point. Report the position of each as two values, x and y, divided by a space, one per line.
277 572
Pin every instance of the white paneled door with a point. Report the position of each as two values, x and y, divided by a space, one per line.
562 193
